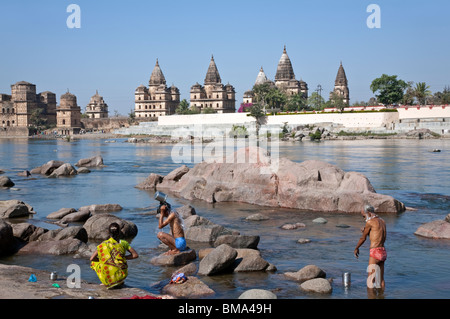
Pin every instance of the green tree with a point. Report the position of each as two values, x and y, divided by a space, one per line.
183 107
37 120
257 111
337 101
421 92
275 99
408 96
390 89
442 97
260 91
315 101
295 102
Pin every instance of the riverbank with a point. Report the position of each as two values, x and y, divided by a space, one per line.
15 284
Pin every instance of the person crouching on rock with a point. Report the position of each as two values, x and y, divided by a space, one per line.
176 241
109 261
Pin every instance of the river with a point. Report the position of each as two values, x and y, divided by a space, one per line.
417 268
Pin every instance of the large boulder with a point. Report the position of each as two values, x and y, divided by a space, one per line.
217 261
238 241
438 229
54 247
15 208
102 208
95 161
7 240
311 185
150 182
47 168
97 227
65 169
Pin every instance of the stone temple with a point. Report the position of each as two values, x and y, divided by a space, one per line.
156 100
341 85
97 108
213 94
284 80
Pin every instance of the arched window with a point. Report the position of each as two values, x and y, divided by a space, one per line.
64 122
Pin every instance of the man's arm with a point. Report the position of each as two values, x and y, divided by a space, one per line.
163 223
361 241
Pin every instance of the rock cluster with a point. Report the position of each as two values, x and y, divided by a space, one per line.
311 185
26 238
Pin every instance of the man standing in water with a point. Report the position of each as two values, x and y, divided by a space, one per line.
176 241
375 228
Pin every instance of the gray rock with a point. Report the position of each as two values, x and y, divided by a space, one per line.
150 182
257 294
306 273
193 288
320 220
317 285
438 229
47 168
61 213
293 226
53 247
5 181
27 232
251 263
217 261
257 217
101 208
304 241
64 170
24 173
97 226
14 208
238 241
80 216
83 170
179 259
95 161
7 240
311 185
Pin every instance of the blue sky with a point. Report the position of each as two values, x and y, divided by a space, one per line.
118 43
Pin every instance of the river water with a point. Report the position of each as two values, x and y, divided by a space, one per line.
417 268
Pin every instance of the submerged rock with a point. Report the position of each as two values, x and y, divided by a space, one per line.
438 229
180 259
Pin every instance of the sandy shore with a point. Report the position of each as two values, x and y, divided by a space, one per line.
14 284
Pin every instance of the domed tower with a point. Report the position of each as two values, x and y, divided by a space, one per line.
213 95
97 108
156 100
68 115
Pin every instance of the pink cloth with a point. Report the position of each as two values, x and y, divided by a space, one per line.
378 253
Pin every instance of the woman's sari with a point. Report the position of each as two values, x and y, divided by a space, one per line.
112 268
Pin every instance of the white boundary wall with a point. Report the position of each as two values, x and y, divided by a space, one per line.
421 112
349 120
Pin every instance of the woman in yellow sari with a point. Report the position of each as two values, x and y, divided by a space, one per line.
109 261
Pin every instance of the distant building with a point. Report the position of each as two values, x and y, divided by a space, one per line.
68 115
285 77
97 108
213 94
18 109
284 81
156 100
341 85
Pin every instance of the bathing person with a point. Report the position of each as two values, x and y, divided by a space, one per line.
375 228
110 261
176 241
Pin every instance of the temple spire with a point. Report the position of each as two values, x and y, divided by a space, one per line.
212 75
157 77
284 69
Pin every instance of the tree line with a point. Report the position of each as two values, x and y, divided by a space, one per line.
388 90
